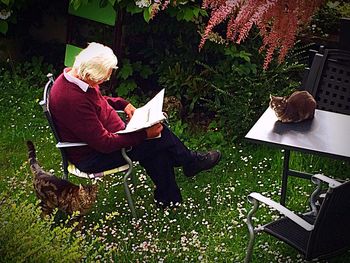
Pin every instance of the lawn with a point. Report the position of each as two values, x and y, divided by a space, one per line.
210 224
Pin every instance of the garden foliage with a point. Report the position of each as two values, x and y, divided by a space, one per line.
278 21
221 83
25 237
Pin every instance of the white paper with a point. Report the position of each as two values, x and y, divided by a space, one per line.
147 115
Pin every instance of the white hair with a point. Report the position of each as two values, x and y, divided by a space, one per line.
94 62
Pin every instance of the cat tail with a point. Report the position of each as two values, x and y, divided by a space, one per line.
34 166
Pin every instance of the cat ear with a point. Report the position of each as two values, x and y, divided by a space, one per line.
271 96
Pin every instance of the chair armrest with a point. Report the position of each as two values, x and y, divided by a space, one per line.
70 144
331 182
318 179
283 210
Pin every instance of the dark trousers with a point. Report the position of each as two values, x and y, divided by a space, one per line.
158 156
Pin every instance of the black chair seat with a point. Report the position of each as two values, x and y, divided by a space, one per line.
290 232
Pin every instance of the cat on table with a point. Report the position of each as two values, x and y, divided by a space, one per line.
297 107
55 192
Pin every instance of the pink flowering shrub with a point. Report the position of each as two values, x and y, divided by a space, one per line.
278 21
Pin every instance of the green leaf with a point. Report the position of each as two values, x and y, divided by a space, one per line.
145 71
203 12
126 88
231 51
3 27
333 5
244 55
6 2
126 70
196 11
112 2
193 102
188 15
133 9
75 4
253 68
103 3
147 13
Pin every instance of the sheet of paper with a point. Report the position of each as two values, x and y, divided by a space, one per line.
147 115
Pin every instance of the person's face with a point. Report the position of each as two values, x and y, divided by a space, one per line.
108 76
93 83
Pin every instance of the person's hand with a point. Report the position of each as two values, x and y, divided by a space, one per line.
129 110
154 131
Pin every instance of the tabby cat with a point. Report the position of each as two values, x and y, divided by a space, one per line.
58 193
172 106
294 108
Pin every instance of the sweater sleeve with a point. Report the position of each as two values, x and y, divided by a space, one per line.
85 125
117 103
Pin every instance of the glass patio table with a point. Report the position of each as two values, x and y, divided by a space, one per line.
327 134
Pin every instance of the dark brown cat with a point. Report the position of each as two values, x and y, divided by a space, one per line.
295 108
58 193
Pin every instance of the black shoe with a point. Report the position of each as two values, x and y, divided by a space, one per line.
202 161
169 197
167 205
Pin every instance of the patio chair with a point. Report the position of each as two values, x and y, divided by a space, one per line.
329 80
68 167
320 233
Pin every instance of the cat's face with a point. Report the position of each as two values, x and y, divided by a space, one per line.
172 104
88 195
278 104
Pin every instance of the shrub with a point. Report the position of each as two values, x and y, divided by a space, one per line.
234 90
24 236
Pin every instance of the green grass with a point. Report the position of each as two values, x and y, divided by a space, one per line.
210 224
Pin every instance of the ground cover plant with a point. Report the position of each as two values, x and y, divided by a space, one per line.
208 227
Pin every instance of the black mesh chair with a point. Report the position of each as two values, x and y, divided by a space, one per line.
320 233
68 167
329 80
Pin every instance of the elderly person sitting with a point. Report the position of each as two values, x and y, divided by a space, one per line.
82 114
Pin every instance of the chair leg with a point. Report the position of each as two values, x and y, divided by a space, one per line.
133 179
126 186
314 196
64 165
65 172
251 230
285 176
128 194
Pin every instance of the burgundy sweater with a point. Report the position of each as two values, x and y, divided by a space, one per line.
89 117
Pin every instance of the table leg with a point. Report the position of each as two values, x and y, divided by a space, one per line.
285 177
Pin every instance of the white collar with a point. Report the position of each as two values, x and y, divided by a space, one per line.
81 84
